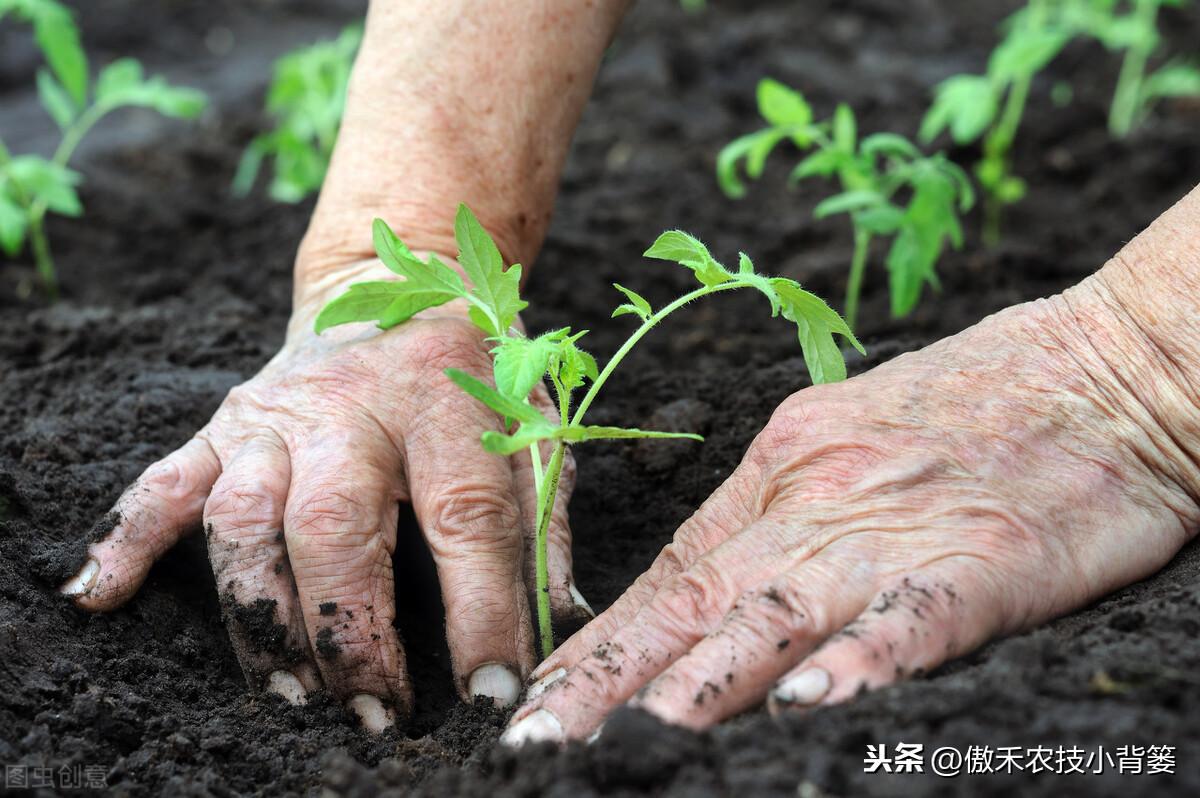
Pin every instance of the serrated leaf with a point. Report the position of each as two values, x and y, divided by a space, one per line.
505 406
368 301
816 324
13 223
637 304
781 105
848 202
520 363
430 276
55 100
966 104
523 438
573 364
497 289
688 251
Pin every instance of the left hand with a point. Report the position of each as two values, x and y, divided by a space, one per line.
880 526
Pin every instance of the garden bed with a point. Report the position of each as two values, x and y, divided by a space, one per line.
175 292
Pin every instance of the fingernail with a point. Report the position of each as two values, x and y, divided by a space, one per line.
579 600
594 736
804 689
371 712
539 687
537 727
287 685
82 582
497 682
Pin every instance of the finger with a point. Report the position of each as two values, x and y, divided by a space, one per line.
568 608
730 508
243 521
936 613
766 632
686 608
465 501
340 528
160 507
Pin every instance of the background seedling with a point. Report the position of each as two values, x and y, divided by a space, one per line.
306 97
1132 27
520 362
30 185
877 174
991 106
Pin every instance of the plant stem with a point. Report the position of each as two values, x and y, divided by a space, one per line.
42 258
1128 94
638 334
862 246
541 568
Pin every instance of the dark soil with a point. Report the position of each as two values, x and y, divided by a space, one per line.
175 292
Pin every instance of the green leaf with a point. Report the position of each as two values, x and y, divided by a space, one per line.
505 406
499 291
47 182
58 37
754 148
883 219
369 301
637 304
1024 52
527 435
845 129
55 100
588 433
122 84
967 104
889 145
848 202
688 251
13 223
573 364
816 324
781 105
520 363
1172 80
822 163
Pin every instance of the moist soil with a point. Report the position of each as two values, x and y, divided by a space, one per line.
175 292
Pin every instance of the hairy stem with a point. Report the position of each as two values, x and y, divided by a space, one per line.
1127 97
862 246
648 325
42 258
541 568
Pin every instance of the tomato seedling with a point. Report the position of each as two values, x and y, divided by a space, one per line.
306 98
991 106
1131 26
32 186
888 188
520 362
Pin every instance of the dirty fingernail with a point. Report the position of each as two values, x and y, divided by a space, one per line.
579 600
804 689
495 681
371 712
287 685
539 687
537 727
82 582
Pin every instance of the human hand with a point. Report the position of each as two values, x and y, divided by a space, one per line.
880 526
297 479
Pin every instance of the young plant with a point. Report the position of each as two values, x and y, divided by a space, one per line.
888 189
1132 27
306 97
32 186
991 106
520 362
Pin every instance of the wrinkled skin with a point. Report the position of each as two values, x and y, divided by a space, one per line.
883 525
297 479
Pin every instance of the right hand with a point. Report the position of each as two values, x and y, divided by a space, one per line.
297 478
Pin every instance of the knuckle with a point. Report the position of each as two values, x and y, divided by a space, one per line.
328 511
169 479
691 601
474 510
783 611
252 503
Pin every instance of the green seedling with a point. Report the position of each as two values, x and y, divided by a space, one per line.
1131 27
520 362
306 98
991 106
888 189
32 186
